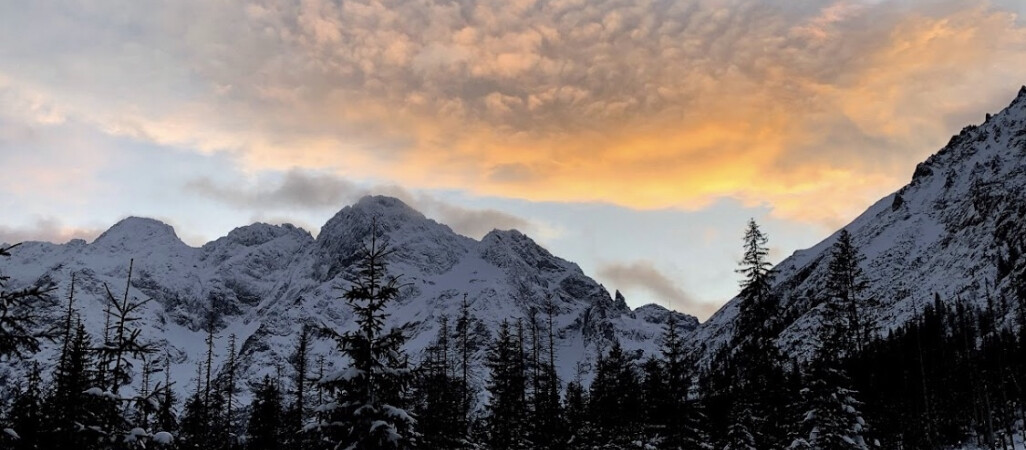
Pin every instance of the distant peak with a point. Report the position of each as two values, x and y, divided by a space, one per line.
1020 98
382 202
137 229
388 213
511 234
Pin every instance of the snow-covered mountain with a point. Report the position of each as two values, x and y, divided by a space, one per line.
956 230
264 282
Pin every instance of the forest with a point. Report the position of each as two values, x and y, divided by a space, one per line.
951 376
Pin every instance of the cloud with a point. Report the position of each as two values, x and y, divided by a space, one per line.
816 108
296 190
47 230
305 190
644 275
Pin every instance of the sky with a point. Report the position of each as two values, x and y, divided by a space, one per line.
635 138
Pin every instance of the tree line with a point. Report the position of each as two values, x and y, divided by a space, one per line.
952 374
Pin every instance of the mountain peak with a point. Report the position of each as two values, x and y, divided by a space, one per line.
384 206
138 229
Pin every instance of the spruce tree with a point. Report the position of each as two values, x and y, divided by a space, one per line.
372 392
66 403
265 431
741 434
195 420
507 408
614 401
831 417
439 394
759 380
575 412
229 392
296 416
758 305
118 358
27 415
19 319
166 419
845 286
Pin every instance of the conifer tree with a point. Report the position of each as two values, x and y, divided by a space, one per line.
372 393
507 384
123 349
19 319
438 389
614 401
845 286
758 304
166 419
297 412
264 431
27 416
230 389
760 379
832 419
741 434
195 420
575 412
464 347
66 404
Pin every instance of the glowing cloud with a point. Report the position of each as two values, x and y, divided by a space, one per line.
815 108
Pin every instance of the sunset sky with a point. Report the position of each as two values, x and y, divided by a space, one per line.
632 137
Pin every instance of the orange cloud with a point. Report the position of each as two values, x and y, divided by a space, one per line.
815 111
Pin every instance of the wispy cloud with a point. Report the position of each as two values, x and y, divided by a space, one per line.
46 230
643 275
307 190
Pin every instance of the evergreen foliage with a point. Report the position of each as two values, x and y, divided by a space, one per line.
265 429
371 393
19 320
614 401
507 409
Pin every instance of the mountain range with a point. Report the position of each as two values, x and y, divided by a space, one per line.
954 232
262 283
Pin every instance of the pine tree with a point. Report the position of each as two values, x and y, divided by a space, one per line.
166 419
575 408
265 430
296 416
372 393
27 414
195 425
740 433
760 379
118 357
831 419
615 398
465 348
845 286
440 407
230 389
66 404
507 384
758 304
19 320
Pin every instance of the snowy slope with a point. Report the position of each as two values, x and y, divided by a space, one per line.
943 233
264 281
